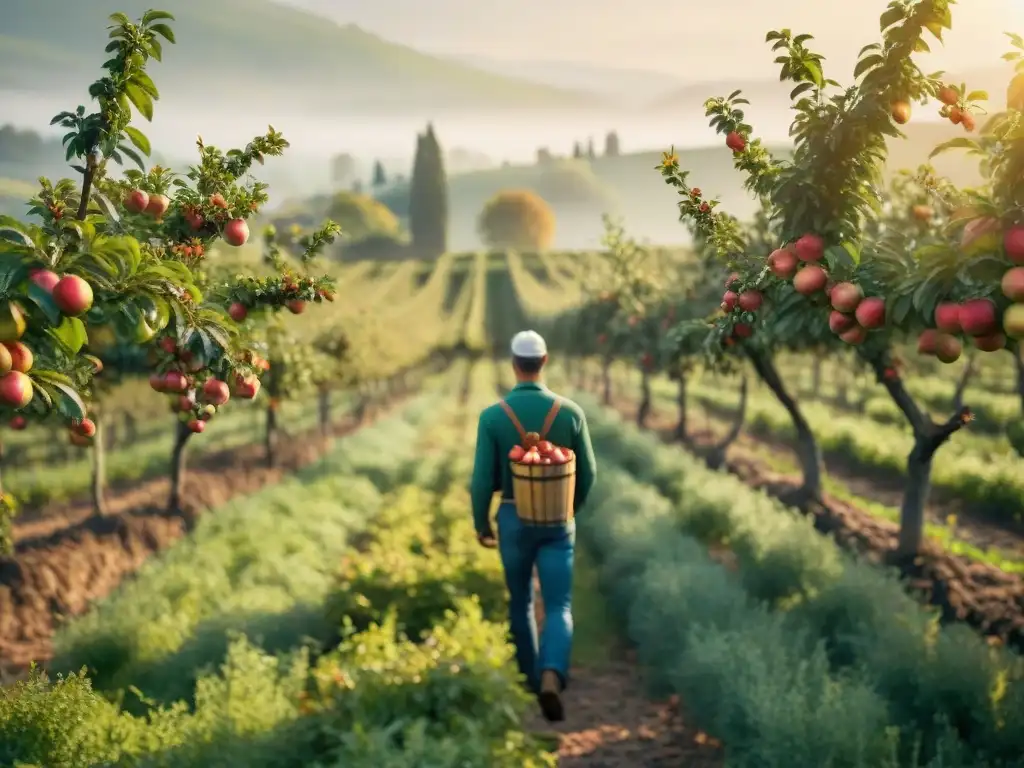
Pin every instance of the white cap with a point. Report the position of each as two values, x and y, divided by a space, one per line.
529 344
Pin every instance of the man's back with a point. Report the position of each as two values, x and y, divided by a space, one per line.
497 435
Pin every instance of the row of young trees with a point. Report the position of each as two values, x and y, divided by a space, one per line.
117 275
828 267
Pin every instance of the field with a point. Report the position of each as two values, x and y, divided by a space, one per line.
288 613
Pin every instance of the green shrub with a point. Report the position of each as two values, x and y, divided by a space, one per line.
361 216
856 614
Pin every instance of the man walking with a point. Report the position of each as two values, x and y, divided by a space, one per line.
551 548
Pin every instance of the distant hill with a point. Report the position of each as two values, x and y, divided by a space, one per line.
629 186
768 95
629 86
238 50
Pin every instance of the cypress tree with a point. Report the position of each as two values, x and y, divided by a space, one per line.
379 177
428 197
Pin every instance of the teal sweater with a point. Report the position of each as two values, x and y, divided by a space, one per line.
496 436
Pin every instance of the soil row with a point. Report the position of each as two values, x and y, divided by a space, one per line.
64 562
977 593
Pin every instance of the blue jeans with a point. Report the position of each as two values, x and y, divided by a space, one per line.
552 550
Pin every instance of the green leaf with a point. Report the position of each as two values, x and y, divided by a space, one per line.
164 31
801 88
868 62
71 333
154 15
106 206
890 17
143 81
961 142
138 138
16 236
814 70
70 404
853 250
977 96
42 299
132 155
140 99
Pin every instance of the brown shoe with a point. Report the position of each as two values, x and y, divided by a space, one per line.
550 697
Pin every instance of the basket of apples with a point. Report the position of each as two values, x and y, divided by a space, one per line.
543 482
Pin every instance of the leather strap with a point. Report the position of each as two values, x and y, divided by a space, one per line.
514 419
549 421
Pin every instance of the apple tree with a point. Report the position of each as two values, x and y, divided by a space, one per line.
825 277
121 262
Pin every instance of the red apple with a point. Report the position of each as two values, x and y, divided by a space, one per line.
855 335
175 381
783 263
840 323
21 356
196 425
735 142
19 423
216 392
158 205
44 278
871 312
729 299
750 301
237 311
236 232
1013 284
991 343
978 317
85 427
810 279
1013 244
810 247
947 317
72 295
136 201
15 389
296 306
846 296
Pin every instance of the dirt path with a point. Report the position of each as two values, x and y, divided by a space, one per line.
610 720
1005 536
62 564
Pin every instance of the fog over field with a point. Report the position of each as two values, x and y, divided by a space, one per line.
498 83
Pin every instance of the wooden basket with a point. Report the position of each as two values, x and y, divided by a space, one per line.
544 493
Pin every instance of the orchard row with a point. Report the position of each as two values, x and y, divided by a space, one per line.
830 262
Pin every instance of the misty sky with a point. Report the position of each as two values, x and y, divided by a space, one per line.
693 39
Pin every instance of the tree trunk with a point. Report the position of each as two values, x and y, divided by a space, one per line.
606 381
963 382
7 512
324 410
928 438
131 428
182 434
270 435
97 486
679 433
842 393
717 454
807 451
643 413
